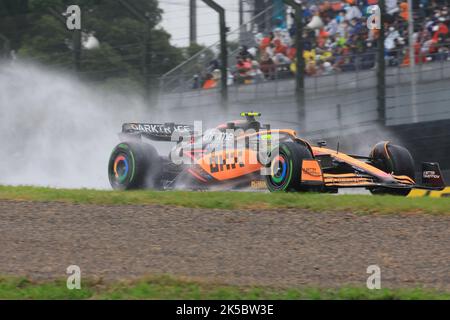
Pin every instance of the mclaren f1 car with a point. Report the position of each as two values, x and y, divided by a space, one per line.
246 154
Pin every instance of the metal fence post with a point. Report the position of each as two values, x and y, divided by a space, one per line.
223 49
381 80
300 74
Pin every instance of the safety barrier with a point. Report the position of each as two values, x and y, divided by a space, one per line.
434 194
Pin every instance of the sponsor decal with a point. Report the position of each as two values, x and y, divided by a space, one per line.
159 128
258 184
347 180
214 135
311 171
229 162
431 175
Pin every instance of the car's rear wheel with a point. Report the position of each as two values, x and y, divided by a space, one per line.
392 159
285 167
134 165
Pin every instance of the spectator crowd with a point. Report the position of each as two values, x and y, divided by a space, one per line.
336 39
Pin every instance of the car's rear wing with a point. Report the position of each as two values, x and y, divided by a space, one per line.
156 131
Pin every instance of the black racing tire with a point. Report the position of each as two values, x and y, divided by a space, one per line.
134 165
285 167
393 159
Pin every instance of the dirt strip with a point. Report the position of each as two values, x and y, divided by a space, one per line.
290 248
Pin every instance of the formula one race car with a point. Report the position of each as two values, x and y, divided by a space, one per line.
243 153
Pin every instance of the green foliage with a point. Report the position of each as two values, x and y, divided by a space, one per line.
163 54
43 5
195 48
167 287
46 41
37 31
23 288
13 7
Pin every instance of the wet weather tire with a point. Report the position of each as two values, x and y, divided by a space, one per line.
396 160
134 165
286 166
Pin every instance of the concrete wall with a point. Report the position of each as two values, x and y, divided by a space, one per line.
354 91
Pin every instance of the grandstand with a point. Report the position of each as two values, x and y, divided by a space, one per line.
336 39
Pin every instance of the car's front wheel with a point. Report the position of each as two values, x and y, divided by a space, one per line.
392 159
285 167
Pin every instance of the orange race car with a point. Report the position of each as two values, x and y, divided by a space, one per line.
244 153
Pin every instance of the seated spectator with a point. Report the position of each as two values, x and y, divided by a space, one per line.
213 65
267 66
323 53
341 59
356 27
230 78
310 68
391 7
332 27
342 30
245 54
327 68
195 82
326 11
216 75
209 82
322 37
352 12
392 43
266 41
255 73
243 67
340 17
270 50
309 56
404 10
341 42
338 40
279 47
281 60
292 53
279 53
440 30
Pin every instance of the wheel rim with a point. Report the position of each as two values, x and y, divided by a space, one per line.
279 170
121 168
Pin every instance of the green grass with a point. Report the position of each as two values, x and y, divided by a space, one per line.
234 200
22 288
166 288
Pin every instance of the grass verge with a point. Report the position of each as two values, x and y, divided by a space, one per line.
234 200
167 288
